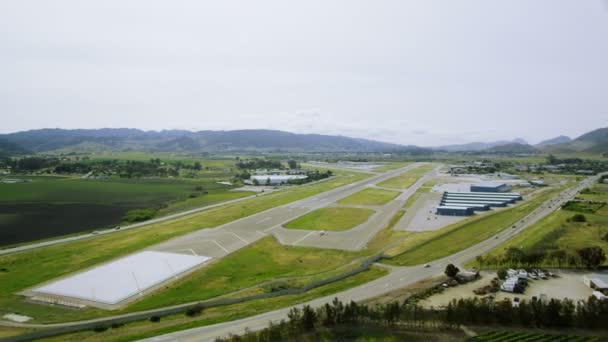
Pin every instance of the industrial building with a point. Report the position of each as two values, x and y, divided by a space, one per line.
274 179
490 187
465 203
454 211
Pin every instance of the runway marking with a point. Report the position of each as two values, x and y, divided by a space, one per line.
302 238
264 220
240 238
187 249
271 228
261 233
220 246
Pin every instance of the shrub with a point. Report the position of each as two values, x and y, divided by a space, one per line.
579 218
155 319
138 215
100 328
195 311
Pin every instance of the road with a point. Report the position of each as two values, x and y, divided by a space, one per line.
398 278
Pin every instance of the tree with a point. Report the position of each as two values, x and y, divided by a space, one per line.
292 164
309 318
502 273
451 270
514 255
198 166
592 257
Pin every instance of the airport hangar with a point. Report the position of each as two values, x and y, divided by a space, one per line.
466 203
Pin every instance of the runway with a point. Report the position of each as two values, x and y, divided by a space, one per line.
220 241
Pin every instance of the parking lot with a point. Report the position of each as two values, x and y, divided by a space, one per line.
566 284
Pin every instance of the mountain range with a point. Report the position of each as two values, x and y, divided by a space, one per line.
478 146
129 139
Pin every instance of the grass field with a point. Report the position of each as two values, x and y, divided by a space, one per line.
26 269
264 260
331 218
49 207
370 196
557 231
408 178
144 329
428 246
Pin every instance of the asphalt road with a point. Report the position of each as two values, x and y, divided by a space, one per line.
399 277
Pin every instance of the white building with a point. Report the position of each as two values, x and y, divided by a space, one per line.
275 179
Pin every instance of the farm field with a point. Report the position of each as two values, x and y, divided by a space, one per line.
427 246
370 196
32 267
407 179
558 231
49 207
331 218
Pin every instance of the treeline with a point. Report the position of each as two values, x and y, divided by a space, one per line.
258 164
588 257
571 165
312 176
554 313
125 169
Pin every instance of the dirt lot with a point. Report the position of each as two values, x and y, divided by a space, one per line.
567 284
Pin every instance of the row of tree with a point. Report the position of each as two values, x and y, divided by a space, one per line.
588 257
554 313
259 164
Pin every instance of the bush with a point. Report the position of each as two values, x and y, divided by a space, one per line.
139 215
100 328
192 312
579 218
155 319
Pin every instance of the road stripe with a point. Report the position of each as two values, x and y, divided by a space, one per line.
240 238
271 228
264 220
302 238
220 246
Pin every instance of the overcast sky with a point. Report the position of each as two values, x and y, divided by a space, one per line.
411 72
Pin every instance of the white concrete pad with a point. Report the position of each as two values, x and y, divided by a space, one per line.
17 318
118 280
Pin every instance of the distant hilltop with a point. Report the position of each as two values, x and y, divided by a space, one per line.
262 140
128 139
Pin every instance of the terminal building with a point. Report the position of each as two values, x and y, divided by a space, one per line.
490 187
466 203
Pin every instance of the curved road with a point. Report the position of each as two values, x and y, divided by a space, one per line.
399 277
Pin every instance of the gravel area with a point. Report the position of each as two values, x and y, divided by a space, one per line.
567 284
